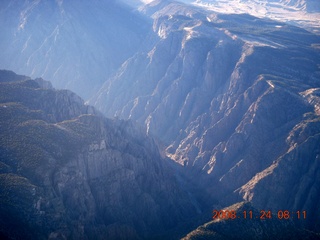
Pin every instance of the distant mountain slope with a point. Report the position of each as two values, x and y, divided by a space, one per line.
68 172
307 5
302 13
303 5
71 43
236 99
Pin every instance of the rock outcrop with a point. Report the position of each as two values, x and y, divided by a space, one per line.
72 44
235 99
68 172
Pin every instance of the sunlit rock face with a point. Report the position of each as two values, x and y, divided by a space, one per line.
66 172
226 94
233 99
76 45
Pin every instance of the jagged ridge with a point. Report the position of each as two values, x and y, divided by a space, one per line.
68 172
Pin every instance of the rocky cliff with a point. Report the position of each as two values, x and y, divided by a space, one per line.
68 172
235 99
72 44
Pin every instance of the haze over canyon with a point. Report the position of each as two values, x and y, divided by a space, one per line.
172 110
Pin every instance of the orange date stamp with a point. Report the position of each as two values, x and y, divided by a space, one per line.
263 215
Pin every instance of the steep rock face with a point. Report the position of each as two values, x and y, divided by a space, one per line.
177 70
233 98
72 44
225 93
248 225
297 170
67 172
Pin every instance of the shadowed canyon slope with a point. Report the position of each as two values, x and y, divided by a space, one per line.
236 99
70 43
68 172
233 99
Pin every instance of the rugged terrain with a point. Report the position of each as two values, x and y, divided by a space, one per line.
302 13
232 99
70 43
68 172
236 100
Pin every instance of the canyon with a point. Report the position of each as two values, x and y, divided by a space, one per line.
205 109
